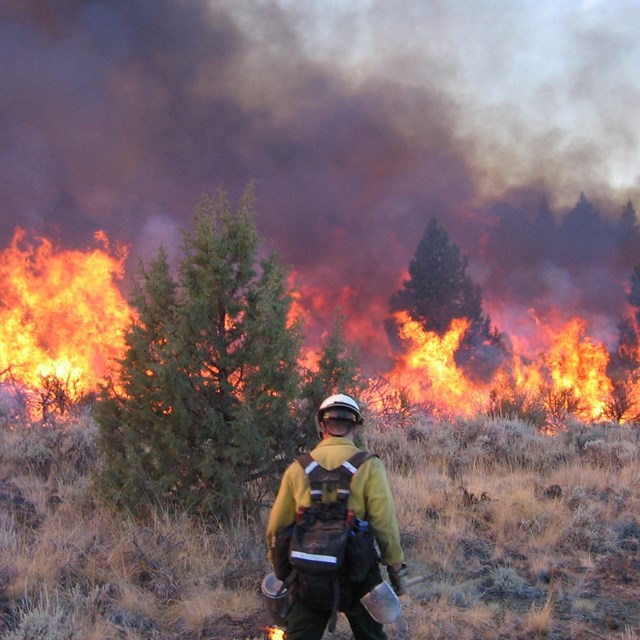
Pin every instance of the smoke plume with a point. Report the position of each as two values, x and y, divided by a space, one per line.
359 122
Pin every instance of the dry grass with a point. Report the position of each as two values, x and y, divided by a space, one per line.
521 535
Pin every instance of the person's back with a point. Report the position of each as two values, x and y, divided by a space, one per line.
370 500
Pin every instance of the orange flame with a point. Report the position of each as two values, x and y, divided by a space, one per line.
61 313
62 316
578 363
275 633
428 370
569 362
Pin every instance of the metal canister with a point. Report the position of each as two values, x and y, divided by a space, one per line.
276 598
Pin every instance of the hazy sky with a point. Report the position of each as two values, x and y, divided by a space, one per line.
531 81
359 120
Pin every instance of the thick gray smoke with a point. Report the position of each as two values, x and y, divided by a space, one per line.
119 114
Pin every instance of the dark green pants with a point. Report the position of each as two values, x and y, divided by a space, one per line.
305 623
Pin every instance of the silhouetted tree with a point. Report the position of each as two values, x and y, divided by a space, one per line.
586 233
625 360
623 367
439 288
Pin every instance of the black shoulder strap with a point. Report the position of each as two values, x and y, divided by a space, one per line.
318 475
357 459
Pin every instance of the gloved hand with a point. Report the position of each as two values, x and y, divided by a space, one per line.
398 573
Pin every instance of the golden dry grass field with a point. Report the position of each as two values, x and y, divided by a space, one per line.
521 535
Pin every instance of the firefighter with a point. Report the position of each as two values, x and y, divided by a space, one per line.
338 420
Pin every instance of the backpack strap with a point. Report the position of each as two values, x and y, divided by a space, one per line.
319 476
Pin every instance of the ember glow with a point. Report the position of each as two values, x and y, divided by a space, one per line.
61 313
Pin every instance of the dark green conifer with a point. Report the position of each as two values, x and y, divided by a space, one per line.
206 396
439 288
337 371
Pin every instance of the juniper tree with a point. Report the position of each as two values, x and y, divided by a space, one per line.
624 362
337 372
624 365
203 406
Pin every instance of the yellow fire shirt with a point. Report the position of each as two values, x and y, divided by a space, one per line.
370 496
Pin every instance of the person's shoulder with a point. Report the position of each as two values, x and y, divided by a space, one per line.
375 464
294 466
365 455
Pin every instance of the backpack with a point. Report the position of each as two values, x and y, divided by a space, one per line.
323 536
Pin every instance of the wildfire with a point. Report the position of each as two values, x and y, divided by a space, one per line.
569 365
428 370
62 317
297 310
61 313
576 362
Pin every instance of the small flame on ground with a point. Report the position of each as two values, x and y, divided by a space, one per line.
275 633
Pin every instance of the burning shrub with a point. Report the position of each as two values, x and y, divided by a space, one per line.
63 318
13 405
393 405
560 404
621 407
54 394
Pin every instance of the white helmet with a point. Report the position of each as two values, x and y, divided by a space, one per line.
340 407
